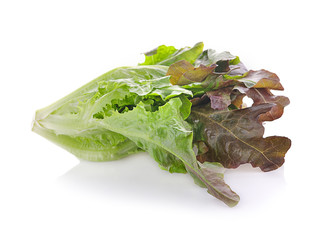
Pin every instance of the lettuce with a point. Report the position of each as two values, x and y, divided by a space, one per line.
182 106
70 121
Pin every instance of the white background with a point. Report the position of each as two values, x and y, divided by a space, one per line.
50 48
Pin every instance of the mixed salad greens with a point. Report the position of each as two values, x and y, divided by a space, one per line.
182 106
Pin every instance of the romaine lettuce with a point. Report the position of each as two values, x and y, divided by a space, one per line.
184 107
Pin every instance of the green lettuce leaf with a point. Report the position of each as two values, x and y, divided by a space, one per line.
168 138
164 55
158 55
94 144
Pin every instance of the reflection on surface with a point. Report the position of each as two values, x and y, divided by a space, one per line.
139 178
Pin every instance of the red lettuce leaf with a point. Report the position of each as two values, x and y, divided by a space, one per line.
263 95
220 99
183 72
199 100
238 69
237 98
236 137
258 79
222 59
214 174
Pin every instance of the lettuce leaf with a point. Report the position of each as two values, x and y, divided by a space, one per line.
264 95
168 138
93 144
183 72
211 56
166 56
258 79
235 137
159 54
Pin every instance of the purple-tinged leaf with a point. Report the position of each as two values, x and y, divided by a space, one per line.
236 137
222 59
263 95
199 100
237 98
176 71
220 99
183 72
261 79
238 69
214 174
